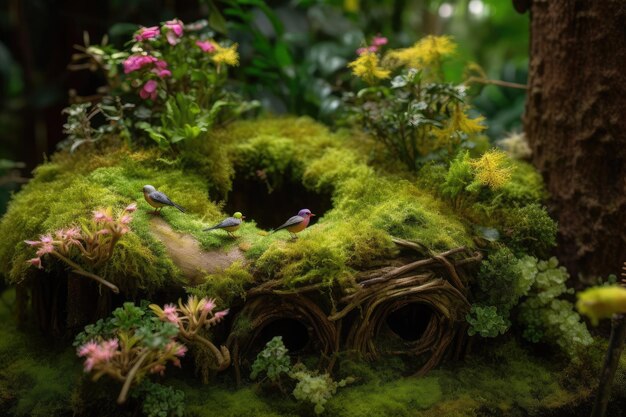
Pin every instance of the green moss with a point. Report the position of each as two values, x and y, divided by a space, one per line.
226 285
36 377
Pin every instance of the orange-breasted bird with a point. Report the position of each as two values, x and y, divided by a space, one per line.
296 223
157 199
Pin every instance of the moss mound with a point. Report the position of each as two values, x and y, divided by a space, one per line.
368 206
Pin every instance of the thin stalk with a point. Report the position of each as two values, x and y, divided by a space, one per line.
80 271
129 378
611 362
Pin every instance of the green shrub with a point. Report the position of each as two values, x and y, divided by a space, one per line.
485 321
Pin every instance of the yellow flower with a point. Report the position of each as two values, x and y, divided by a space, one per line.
351 6
427 51
366 67
226 55
601 302
459 122
491 169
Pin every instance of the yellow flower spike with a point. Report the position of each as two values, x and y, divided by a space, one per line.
601 302
367 67
491 169
226 55
425 52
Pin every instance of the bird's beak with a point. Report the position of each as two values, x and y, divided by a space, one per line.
312 214
243 217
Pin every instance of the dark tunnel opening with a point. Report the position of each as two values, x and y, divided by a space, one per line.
294 333
410 321
270 208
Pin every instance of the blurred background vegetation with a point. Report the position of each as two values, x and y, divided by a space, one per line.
293 56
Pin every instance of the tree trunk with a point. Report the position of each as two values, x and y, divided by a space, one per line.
576 124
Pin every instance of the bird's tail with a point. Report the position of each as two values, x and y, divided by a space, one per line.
209 228
179 207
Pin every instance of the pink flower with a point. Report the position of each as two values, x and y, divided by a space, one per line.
373 48
45 248
46 239
101 216
379 40
131 207
147 33
209 305
136 62
35 262
180 352
103 232
72 234
87 349
174 30
361 51
170 312
161 69
126 219
149 90
206 46
33 242
221 314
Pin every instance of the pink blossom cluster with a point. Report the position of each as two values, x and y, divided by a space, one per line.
173 30
157 66
377 42
98 354
88 243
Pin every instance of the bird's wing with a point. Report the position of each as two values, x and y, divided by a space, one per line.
159 197
291 222
231 221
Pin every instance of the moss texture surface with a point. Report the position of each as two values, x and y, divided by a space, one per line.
369 206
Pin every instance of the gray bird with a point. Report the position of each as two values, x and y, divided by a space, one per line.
230 224
157 199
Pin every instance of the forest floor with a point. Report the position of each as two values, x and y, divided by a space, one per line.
42 378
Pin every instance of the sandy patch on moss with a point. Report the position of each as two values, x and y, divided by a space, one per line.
186 253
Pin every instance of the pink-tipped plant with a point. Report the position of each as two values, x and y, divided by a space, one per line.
193 316
129 346
93 243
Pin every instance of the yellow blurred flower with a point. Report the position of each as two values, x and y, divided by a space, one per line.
367 67
458 122
427 51
351 6
601 302
225 55
491 169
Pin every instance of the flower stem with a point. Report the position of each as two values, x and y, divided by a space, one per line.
80 271
129 378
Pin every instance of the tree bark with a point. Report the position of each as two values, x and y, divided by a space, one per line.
576 124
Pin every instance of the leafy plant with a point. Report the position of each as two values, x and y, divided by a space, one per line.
312 387
273 361
545 317
315 388
179 73
160 401
417 117
486 321
128 347
79 126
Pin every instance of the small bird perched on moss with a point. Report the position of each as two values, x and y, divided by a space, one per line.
230 224
157 199
297 223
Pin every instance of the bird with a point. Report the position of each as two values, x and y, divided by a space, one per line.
296 223
157 199
229 224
